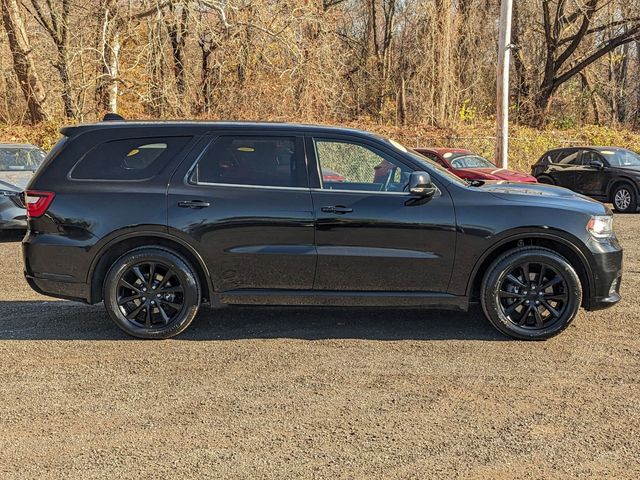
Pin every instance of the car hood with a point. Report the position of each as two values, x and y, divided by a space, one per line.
532 193
18 180
632 169
496 174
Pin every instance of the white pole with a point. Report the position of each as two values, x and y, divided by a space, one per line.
502 104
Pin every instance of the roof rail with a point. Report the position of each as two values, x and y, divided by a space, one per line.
108 117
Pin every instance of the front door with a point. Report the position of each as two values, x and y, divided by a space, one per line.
246 207
370 234
592 180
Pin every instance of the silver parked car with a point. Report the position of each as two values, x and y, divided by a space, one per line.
17 164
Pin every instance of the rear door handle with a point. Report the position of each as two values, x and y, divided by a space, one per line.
194 204
337 209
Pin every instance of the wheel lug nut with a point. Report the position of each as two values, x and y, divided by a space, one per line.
144 299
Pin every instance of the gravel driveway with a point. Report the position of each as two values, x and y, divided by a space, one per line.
316 393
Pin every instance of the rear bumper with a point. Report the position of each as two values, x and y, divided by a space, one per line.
58 288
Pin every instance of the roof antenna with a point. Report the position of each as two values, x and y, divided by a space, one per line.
111 117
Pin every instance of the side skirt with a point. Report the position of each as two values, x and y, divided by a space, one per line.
431 300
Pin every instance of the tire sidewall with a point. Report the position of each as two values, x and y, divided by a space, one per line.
182 270
500 269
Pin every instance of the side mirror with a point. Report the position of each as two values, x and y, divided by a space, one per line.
597 164
420 184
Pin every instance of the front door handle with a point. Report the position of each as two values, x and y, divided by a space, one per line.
194 204
337 209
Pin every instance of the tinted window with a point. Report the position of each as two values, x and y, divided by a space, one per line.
360 167
240 160
16 158
589 156
128 159
569 158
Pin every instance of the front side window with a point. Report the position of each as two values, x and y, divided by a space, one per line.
359 167
589 156
252 160
128 159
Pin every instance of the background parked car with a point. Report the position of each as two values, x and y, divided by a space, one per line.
604 173
471 166
17 164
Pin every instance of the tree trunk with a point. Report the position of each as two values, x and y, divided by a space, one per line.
22 62
62 66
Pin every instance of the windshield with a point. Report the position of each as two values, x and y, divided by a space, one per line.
20 159
424 160
621 158
471 161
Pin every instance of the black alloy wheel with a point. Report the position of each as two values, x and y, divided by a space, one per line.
531 293
152 293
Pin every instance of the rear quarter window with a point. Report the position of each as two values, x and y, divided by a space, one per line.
128 159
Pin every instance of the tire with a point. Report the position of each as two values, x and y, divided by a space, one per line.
152 293
546 180
624 198
505 301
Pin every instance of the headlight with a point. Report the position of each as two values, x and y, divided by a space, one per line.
600 226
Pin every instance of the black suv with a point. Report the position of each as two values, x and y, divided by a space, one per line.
605 173
155 219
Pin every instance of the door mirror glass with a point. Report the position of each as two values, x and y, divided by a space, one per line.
420 184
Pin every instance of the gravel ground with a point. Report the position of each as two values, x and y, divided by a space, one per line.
316 393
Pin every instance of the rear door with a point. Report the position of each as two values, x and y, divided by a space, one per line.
566 168
245 205
370 234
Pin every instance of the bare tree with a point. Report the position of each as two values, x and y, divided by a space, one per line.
54 18
23 64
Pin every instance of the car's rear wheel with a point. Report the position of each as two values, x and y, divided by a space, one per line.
624 198
152 293
531 293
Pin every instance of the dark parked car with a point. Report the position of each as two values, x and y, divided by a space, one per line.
605 173
17 164
156 218
471 166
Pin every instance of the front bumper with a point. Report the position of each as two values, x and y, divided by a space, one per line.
606 267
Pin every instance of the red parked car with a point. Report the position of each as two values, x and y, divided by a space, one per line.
466 164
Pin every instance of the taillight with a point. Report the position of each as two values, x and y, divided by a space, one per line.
37 202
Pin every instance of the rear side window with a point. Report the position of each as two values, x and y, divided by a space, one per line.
569 157
252 160
128 159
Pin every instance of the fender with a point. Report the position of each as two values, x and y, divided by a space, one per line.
148 233
567 240
621 179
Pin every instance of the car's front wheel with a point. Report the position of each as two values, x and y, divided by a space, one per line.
624 198
531 293
152 293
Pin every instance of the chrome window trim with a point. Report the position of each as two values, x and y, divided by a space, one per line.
242 185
